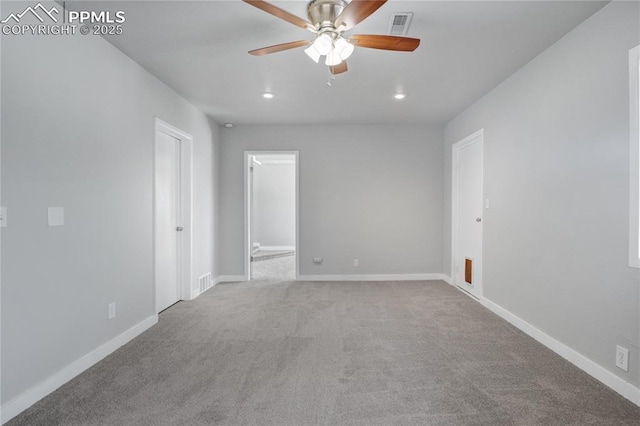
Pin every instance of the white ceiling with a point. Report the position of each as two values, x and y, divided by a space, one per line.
200 49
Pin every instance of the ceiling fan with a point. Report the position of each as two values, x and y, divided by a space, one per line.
328 20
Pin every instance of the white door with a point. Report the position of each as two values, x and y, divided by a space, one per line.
468 250
167 222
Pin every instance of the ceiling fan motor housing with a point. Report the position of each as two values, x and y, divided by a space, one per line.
323 13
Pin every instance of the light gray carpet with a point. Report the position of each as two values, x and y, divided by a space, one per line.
275 269
374 353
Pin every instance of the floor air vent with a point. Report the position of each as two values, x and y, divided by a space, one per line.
205 282
399 23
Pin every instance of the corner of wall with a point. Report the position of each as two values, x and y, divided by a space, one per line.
49 384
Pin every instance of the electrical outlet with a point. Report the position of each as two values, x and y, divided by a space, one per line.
112 310
356 262
317 260
622 358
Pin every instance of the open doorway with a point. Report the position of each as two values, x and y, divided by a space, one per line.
271 212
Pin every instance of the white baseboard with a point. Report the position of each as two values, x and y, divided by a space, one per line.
278 248
378 277
230 278
616 383
349 277
195 292
48 385
447 279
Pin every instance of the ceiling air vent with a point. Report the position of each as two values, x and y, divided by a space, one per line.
399 23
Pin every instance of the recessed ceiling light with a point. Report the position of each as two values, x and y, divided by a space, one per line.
399 96
228 125
268 95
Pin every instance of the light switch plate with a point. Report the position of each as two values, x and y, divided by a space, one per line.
3 217
56 216
112 310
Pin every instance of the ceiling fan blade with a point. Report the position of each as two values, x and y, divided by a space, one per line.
386 42
282 14
279 47
340 68
356 12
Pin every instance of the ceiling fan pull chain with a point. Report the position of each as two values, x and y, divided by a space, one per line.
331 77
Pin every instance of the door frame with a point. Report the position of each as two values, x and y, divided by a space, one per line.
477 137
185 238
247 207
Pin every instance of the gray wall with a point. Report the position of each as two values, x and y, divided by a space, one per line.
557 175
77 131
367 192
274 204
217 184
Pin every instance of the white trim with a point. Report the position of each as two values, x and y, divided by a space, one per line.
616 383
247 244
230 278
377 277
187 284
248 197
277 248
446 278
196 291
477 137
466 293
53 382
634 158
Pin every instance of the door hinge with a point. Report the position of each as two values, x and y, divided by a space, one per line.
179 229
252 258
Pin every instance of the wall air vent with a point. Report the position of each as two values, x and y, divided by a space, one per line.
205 282
399 23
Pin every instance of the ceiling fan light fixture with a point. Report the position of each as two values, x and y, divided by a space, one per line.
323 44
344 48
328 20
333 59
312 53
